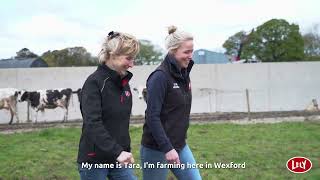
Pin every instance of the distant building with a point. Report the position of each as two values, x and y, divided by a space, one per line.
23 63
203 56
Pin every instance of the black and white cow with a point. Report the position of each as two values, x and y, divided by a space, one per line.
313 106
8 101
78 92
142 92
48 99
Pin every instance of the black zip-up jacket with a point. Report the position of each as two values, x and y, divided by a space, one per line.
168 107
105 105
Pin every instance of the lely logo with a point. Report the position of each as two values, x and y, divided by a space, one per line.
299 165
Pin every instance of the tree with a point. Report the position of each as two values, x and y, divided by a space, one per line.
276 40
312 44
148 53
25 53
235 45
76 56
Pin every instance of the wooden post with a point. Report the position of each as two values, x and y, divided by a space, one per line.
28 111
248 104
210 101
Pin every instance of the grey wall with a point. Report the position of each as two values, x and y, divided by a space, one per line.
215 88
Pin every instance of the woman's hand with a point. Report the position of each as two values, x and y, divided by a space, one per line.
172 157
125 158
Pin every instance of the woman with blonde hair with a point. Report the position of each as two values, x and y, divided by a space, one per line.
105 104
167 114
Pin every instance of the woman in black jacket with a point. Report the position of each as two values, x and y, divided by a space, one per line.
105 105
167 115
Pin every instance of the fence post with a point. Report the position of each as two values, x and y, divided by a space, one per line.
28 111
248 104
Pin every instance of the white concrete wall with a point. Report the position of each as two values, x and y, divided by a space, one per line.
215 88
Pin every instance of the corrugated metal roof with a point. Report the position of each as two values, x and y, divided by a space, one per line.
23 63
203 56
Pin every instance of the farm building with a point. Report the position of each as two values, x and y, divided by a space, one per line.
203 56
23 63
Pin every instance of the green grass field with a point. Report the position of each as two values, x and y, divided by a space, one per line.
265 148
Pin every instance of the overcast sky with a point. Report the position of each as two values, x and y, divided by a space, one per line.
42 25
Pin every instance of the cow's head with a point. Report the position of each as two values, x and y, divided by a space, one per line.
142 92
23 96
17 94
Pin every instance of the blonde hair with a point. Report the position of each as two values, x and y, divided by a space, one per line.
176 38
118 43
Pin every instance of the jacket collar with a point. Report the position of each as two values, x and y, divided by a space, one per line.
174 68
115 76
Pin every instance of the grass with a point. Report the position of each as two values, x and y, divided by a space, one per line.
265 148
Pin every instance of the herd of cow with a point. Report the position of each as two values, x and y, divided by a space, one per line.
44 99
39 100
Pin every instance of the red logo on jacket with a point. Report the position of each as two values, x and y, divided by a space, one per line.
127 93
299 165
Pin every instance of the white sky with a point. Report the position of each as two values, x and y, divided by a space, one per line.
42 25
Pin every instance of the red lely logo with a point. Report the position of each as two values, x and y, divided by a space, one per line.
299 164
127 93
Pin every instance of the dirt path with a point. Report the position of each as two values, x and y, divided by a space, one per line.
232 117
